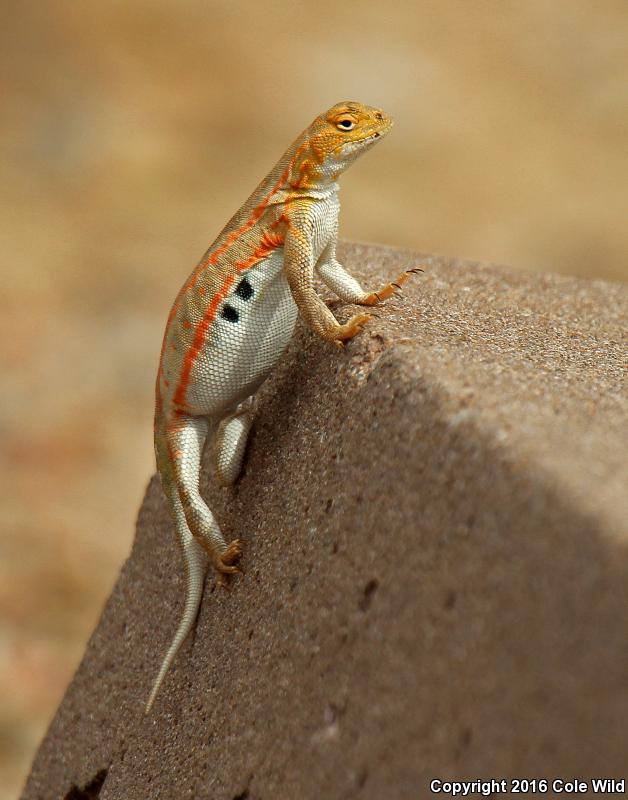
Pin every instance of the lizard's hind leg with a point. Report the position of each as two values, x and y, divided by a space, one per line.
230 443
185 437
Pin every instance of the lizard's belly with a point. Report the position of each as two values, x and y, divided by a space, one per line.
250 331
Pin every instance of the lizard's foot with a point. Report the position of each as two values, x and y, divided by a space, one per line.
387 291
347 331
224 563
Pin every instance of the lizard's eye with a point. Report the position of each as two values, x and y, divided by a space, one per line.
345 124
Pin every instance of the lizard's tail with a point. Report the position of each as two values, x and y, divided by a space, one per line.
195 566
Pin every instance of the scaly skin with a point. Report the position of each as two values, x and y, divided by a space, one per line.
233 318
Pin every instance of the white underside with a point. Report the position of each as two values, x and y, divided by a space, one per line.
238 356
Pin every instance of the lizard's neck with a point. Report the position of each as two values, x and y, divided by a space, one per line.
310 170
318 190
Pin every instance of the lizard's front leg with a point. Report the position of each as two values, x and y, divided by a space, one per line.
386 291
299 268
345 285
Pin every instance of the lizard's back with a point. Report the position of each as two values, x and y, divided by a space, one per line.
235 314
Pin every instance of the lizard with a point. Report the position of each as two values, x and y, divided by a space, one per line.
232 320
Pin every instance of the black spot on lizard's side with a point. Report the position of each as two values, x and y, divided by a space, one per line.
229 313
244 289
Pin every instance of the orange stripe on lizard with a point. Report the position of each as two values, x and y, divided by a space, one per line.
269 242
233 237
199 339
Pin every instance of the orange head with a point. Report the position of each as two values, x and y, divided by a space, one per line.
336 138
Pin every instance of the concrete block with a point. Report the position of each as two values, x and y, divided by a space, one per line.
436 576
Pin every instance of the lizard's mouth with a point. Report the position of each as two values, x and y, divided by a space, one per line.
364 142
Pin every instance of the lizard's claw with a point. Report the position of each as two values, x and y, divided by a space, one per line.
387 291
350 328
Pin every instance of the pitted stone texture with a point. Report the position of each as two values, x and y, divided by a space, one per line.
436 572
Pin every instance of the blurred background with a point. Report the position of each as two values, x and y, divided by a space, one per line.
130 133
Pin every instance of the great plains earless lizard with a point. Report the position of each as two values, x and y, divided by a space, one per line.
233 318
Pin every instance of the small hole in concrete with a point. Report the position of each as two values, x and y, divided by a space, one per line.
466 735
362 777
368 594
91 790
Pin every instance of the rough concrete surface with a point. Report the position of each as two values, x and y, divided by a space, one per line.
436 567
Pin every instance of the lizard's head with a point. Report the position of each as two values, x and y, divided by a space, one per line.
346 131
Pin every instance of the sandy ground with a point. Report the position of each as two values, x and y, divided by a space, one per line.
132 130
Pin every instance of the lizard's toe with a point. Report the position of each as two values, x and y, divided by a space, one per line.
374 298
351 328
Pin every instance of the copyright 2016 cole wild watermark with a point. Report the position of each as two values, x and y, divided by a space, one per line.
527 786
